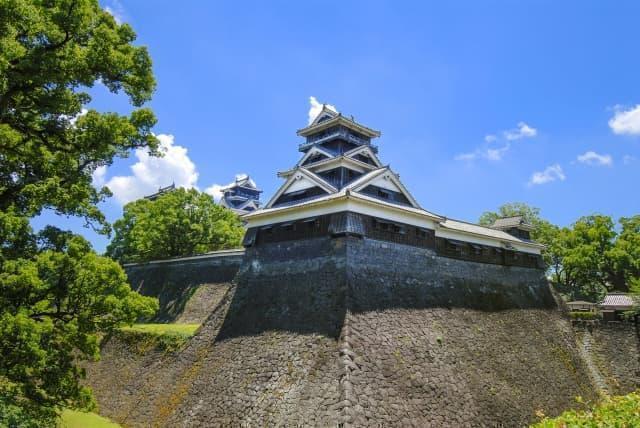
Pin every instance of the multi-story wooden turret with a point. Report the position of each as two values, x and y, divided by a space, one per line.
339 187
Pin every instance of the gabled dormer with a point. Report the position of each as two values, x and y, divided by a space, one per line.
364 154
301 185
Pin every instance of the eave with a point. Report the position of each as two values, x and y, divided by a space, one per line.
338 120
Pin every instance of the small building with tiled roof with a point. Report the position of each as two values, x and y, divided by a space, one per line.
514 225
614 305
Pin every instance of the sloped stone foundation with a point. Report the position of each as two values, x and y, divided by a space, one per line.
360 332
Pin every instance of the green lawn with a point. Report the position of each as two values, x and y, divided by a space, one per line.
75 419
177 329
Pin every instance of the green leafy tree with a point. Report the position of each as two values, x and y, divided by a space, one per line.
53 306
178 223
56 294
50 53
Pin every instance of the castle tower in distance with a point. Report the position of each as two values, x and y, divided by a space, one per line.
242 196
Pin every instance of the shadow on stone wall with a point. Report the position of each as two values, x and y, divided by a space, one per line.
308 286
175 282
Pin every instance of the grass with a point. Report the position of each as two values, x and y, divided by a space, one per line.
159 329
144 338
76 419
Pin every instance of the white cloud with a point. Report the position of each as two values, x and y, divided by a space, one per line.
551 173
486 152
315 108
521 131
116 9
492 150
75 118
593 158
98 176
466 156
215 190
627 159
151 173
626 121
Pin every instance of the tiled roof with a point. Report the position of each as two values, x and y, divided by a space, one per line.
477 229
617 299
507 222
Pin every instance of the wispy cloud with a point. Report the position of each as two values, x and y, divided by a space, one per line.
551 173
628 159
595 159
496 145
487 152
625 121
315 107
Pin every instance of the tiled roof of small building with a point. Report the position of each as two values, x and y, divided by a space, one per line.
479 230
617 299
507 222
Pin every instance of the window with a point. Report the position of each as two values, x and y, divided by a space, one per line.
383 194
289 227
311 223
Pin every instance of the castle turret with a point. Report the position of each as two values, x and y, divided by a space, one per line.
242 196
340 187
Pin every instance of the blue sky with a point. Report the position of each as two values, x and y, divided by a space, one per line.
479 103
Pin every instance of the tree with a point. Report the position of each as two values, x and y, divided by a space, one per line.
178 223
585 260
56 294
50 53
53 306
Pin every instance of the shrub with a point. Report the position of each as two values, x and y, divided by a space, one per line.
622 412
577 315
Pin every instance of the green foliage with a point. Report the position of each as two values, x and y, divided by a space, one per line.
178 223
56 294
49 53
622 412
587 259
165 337
579 315
75 419
53 306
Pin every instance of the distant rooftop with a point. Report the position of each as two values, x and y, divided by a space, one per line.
618 300
242 181
509 222
161 191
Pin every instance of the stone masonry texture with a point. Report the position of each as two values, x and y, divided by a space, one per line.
357 332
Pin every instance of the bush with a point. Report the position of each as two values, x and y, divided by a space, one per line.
622 412
578 315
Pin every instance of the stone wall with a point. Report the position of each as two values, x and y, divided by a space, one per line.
363 332
441 342
614 353
188 288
